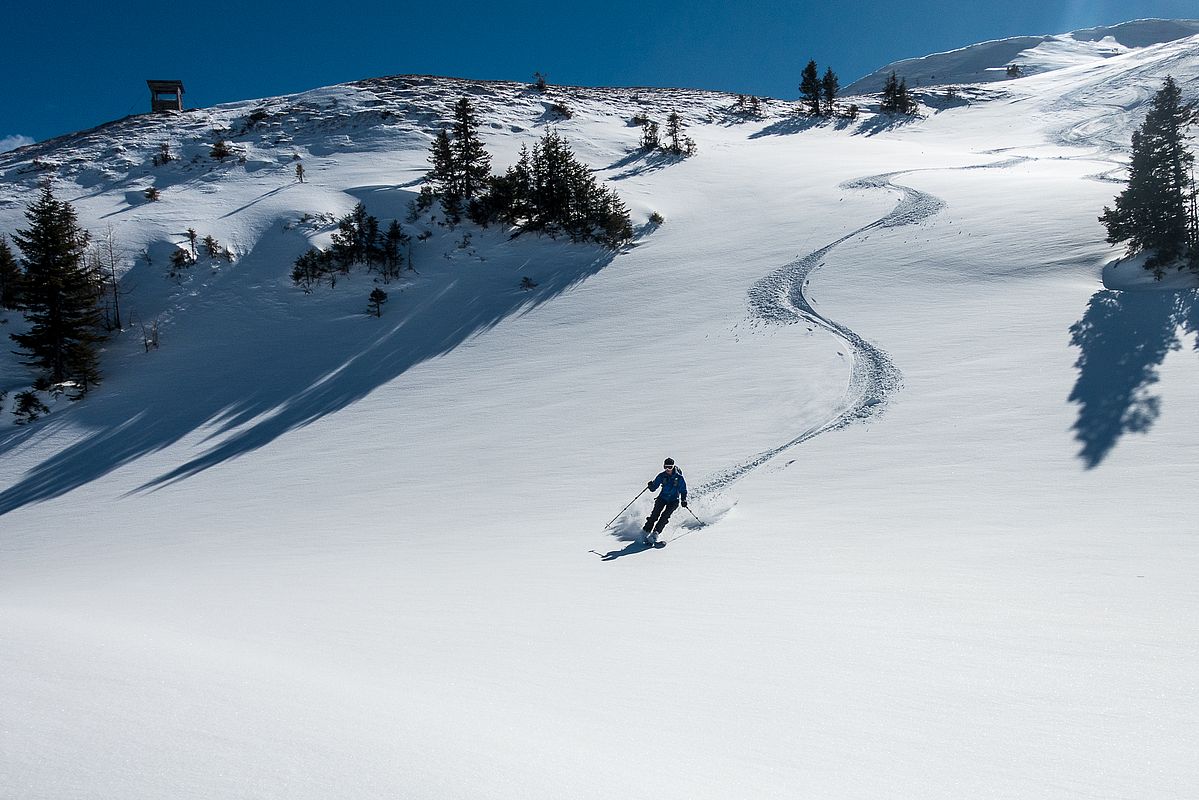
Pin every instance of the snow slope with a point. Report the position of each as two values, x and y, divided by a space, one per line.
988 61
302 552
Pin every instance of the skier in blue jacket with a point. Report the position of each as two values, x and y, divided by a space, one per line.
674 492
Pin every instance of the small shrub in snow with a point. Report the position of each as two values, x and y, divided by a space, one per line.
180 260
212 248
562 110
220 150
528 283
152 194
539 82
150 335
163 156
649 135
375 303
656 218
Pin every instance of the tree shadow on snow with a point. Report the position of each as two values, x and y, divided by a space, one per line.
641 162
798 123
881 123
251 360
1123 337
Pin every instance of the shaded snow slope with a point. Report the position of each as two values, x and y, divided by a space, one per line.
943 477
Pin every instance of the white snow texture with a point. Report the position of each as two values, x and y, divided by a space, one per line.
943 544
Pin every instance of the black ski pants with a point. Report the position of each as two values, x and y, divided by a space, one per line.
661 513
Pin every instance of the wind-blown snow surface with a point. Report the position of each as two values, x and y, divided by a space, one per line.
302 552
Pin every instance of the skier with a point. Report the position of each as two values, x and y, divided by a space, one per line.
674 492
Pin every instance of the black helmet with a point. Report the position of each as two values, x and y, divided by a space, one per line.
668 462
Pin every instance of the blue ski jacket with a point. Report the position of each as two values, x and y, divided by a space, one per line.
672 483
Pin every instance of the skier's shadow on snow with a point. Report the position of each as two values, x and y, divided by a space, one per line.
632 548
225 387
633 537
1123 337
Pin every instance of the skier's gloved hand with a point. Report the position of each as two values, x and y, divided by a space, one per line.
684 503
649 485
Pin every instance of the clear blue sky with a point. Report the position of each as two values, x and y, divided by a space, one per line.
70 65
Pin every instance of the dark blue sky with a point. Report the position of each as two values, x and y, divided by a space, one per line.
70 65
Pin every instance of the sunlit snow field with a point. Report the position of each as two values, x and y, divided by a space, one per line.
302 552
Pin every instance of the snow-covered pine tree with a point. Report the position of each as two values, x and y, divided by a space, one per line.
1154 212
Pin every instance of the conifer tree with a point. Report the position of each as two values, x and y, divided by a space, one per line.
352 241
375 303
896 99
678 144
1154 212
809 86
889 102
650 139
471 162
58 296
829 85
442 175
393 244
549 190
212 248
674 132
10 276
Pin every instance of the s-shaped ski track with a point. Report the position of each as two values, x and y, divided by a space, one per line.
780 298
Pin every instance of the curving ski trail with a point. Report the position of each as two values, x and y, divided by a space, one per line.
780 298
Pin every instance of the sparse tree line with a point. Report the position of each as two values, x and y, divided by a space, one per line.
547 190
673 140
1157 212
896 98
359 239
819 93
181 258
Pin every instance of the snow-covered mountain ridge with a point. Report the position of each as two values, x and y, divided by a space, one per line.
988 61
943 535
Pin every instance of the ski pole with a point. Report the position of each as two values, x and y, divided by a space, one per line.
692 513
626 508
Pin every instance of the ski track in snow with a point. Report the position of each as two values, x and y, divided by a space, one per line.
780 298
